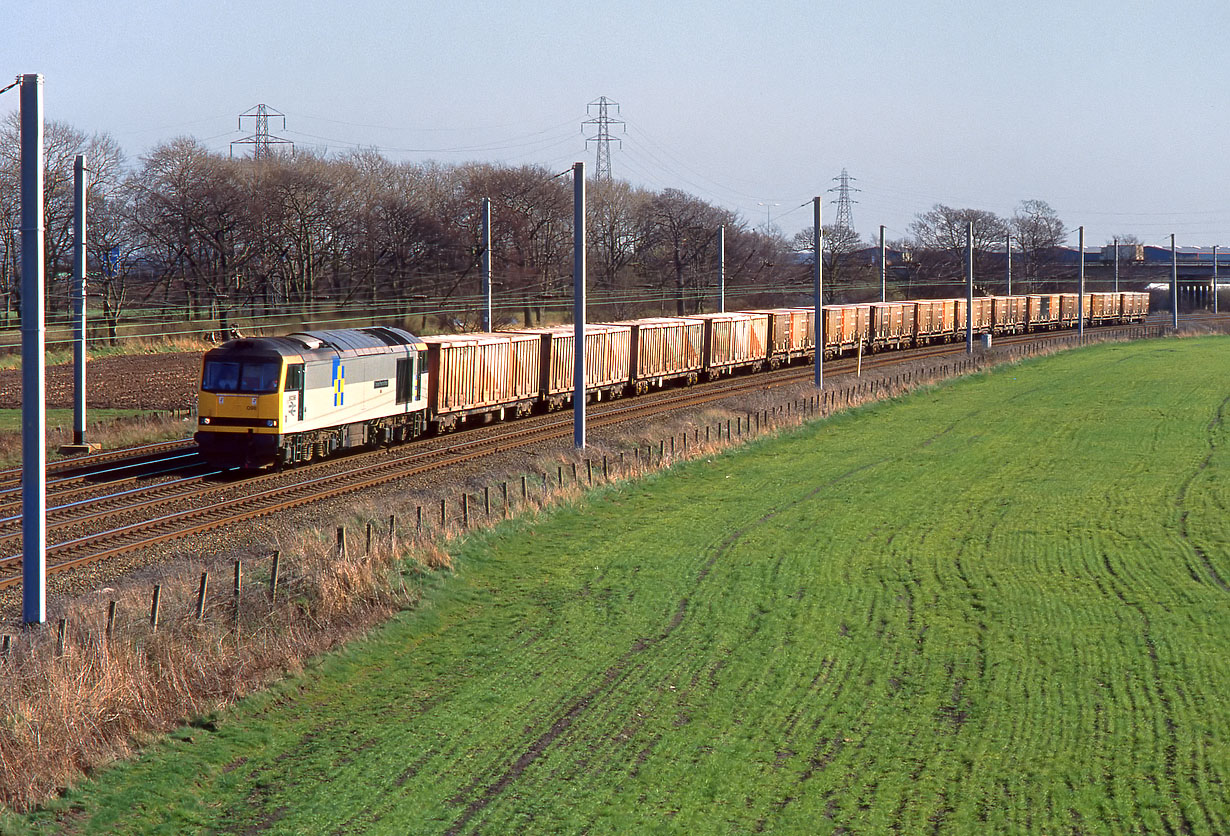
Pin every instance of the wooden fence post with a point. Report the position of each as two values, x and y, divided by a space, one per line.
200 596
239 585
273 576
367 551
153 608
110 620
341 541
61 636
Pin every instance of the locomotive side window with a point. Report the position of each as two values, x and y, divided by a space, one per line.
294 377
295 380
404 389
251 377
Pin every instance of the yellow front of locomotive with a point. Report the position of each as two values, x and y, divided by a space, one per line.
239 407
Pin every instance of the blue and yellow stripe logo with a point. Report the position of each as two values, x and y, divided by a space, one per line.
339 382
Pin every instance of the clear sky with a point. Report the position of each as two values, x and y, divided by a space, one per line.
1116 112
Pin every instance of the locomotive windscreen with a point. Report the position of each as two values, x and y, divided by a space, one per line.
249 377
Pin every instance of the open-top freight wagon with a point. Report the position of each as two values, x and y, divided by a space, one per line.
607 357
791 336
664 350
734 341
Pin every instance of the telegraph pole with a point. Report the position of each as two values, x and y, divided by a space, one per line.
578 305
721 248
1080 283
818 302
486 263
969 287
33 333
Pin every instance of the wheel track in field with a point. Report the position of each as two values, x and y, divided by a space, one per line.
1180 502
1157 686
616 673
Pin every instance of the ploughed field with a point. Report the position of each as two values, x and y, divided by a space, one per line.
997 606
124 381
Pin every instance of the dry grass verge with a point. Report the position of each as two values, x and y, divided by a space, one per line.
73 704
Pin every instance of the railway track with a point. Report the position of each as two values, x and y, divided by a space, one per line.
195 503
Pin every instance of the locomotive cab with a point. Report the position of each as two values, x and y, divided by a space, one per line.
280 400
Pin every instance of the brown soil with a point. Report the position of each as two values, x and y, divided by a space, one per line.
135 381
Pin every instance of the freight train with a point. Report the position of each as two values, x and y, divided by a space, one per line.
281 400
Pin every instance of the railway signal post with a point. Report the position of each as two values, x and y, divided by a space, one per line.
578 305
33 326
721 265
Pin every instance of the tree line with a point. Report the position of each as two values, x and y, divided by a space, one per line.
188 227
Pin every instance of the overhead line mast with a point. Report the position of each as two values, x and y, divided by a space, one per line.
603 121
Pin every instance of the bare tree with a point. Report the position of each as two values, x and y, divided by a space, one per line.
1040 233
842 269
939 238
61 145
680 235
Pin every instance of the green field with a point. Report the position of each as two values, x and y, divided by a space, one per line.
10 419
999 606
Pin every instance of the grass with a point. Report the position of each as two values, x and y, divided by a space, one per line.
10 419
995 606
111 428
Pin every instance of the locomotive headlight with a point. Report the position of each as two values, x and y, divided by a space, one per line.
271 423
204 420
